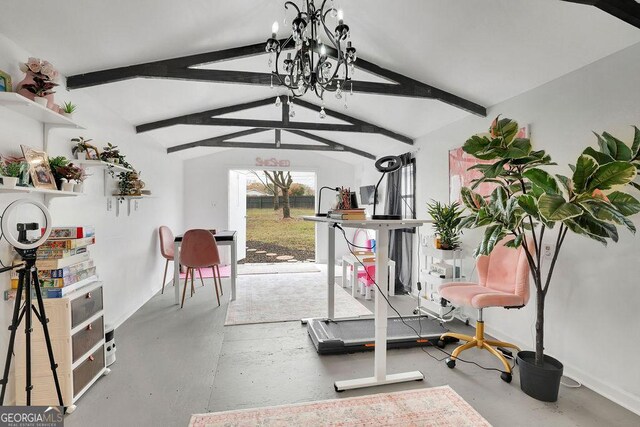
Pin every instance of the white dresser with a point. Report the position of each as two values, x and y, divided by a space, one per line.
76 326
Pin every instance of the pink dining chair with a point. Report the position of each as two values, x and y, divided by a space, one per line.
503 281
167 251
199 250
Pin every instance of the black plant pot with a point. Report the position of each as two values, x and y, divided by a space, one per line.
539 382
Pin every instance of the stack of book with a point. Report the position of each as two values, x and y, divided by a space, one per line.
63 261
348 214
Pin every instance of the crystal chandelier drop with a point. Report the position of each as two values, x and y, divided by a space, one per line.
308 65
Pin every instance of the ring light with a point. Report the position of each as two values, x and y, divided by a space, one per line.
393 163
7 232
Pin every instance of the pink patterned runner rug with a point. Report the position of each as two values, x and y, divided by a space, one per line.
437 406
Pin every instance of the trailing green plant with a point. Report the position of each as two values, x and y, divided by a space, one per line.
129 183
12 166
69 108
446 219
529 202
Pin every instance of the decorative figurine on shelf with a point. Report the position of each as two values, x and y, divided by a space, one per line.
39 81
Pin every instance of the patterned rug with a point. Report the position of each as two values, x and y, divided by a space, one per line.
271 298
438 406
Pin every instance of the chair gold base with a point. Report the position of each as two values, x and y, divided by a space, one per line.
479 341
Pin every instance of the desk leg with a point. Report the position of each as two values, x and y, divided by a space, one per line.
176 271
380 363
234 267
331 271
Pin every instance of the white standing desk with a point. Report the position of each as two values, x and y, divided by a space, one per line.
382 228
223 238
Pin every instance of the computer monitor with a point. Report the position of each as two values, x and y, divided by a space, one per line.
367 193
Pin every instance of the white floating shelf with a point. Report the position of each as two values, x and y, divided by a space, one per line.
33 190
143 196
443 254
100 164
28 108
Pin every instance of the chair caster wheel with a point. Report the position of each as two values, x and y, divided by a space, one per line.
441 343
415 311
506 377
451 363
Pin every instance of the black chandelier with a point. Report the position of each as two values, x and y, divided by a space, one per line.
309 66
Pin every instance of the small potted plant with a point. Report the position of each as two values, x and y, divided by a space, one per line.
68 109
70 174
80 174
446 218
41 89
111 154
55 163
11 169
82 146
38 82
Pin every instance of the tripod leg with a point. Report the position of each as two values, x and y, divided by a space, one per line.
27 330
14 327
45 328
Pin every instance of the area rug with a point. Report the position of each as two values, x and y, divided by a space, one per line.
287 297
277 268
438 406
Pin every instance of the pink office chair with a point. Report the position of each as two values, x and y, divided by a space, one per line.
503 282
167 252
199 250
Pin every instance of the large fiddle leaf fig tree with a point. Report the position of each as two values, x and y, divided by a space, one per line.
530 203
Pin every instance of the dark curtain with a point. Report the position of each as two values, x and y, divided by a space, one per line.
401 201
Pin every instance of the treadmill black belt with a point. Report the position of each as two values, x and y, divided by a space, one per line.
352 335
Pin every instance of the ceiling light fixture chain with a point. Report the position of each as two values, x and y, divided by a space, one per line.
309 67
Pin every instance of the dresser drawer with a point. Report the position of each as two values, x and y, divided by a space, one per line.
85 339
87 370
86 306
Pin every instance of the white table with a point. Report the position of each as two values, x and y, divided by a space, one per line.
382 228
223 238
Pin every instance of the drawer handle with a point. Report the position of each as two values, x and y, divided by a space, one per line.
89 295
91 358
89 327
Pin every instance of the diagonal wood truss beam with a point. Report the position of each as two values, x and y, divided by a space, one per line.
208 118
627 10
181 69
224 141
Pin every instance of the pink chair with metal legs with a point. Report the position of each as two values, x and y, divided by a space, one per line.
199 250
167 251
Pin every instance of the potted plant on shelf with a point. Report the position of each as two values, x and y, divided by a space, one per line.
39 81
11 169
68 109
129 184
446 219
70 176
82 146
110 154
55 163
529 202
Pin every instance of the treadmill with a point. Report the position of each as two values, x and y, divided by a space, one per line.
358 334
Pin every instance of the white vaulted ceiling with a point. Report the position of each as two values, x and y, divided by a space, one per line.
483 50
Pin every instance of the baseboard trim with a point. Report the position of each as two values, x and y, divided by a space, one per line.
615 394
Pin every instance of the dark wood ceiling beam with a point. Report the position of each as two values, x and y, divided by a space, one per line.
276 124
331 143
215 139
354 121
179 68
187 118
626 10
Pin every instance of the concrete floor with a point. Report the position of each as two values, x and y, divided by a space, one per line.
172 363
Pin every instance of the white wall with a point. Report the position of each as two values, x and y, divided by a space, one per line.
126 252
206 186
593 300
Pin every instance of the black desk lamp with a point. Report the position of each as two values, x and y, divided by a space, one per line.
393 164
320 198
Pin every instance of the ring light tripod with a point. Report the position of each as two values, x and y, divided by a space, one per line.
393 164
28 278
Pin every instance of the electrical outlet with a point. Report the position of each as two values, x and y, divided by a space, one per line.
547 250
